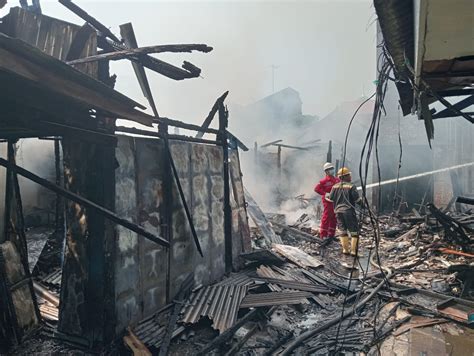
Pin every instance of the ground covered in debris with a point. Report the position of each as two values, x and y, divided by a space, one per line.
410 293
303 296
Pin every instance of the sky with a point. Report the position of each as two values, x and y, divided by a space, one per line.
323 49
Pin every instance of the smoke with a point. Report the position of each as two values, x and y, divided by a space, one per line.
36 156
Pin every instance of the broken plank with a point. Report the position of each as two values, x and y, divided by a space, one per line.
263 256
449 251
84 202
417 322
260 220
296 234
465 200
113 56
235 349
226 335
297 256
135 344
212 113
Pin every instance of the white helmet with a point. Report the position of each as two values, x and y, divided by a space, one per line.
327 166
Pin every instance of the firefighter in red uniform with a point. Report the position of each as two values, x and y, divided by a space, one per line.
323 188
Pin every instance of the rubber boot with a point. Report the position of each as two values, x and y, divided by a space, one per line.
345 244
354 245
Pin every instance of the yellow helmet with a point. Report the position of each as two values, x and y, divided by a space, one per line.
344 171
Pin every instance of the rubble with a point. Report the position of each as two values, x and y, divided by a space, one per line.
309 286
150 251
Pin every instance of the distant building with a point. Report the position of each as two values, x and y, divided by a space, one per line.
276 114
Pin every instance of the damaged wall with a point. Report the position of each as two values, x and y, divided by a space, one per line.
143 275
3 154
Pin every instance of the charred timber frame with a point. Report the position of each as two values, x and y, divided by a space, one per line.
77 199
188 70
223 137
14 232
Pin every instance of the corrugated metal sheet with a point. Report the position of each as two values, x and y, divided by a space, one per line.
268 272
279 279
238 279
220 303
296 285
152 329
53 279
260 220
396 21
274 298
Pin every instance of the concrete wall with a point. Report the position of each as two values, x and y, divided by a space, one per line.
141 266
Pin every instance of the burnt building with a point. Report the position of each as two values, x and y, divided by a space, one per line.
138 211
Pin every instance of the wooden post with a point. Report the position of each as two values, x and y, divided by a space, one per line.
167 208
60 218
255 152
87 308
279 174
223 122
329 155
8 188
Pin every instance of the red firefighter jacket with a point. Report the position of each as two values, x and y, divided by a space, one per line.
325 185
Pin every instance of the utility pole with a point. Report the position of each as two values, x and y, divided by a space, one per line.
274 67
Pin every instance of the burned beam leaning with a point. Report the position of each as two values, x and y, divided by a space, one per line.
84 202
114 56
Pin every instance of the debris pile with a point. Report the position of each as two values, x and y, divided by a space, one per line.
301 295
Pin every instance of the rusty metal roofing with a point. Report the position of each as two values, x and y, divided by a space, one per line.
220 303
274 298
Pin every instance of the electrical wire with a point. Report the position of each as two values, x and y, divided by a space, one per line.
371 141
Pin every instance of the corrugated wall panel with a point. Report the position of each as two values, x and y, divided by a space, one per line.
201 175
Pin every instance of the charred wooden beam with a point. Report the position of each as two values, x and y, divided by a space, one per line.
79 42
183 292
183 199
135 131
84 202
455 92
453 110
60 218
270 143
89 19
210 116
237 142
465 200
114 56
183 125
186 71
77 132
226 335
128 35
223 123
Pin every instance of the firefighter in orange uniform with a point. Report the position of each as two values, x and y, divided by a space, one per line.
344 195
